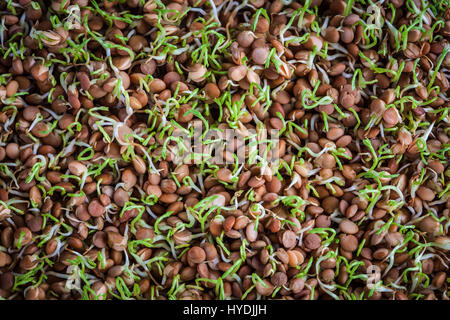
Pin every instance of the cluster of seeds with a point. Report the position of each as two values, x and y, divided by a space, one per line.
94 95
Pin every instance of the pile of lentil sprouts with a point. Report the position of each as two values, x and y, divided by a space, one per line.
95 94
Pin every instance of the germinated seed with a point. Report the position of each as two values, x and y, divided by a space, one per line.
332 115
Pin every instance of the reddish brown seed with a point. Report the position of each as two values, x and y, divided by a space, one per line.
145 233
412 51
212 90
439 279
425 193
224 174
219 200
289 239
337 69
390 116
326 160
314 41
120 197
6 281
245 39
331 34
40 130
5 259
265 289
262 26
270 197
12 150
197 72
22 236
35 224
210 251
95 208
77 168
153 191
32 294
116 241
329 204
260 54
344 141
335 133
129 179
429 225
436 165
148 67
241 222
273 185
256 182
229 223
348 226
171 78
11 88
196 255
85 82
377 106
312 241
30 113
39 72
122 63
279 279
233 234
380 254
100 239
347 99
295 258
323 221
297 285
139 165
282 255
168 186
253 77
251 233
135 103
276 123
181 171
237 73
347 35
100 290
183 115
348 242
157 85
